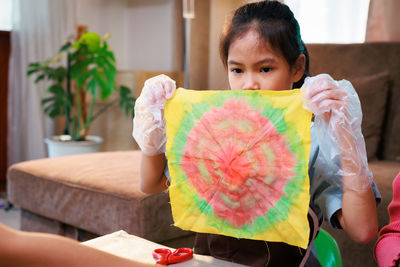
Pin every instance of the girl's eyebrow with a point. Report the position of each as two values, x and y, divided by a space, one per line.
232 62
262 61
266 60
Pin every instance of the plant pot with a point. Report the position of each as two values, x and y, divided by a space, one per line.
61 145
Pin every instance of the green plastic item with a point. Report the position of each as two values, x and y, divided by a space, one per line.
327 250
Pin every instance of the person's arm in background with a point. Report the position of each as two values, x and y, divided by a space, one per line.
338 118
150 133
21 249
387 248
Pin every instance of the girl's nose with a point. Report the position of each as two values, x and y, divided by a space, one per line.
251 83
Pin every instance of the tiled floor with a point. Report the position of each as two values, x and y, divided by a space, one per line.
9 216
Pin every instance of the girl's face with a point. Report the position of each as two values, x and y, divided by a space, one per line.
253 65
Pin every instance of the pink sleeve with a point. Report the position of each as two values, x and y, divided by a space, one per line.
387 248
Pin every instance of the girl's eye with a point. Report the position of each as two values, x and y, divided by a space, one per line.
265 69
236 70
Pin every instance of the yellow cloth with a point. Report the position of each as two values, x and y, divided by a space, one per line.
238 163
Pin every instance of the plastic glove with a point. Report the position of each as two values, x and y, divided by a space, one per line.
149 123
337 125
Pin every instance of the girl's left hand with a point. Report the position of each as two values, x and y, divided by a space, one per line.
324 96
337 124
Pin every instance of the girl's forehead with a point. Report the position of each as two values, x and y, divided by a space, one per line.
249 36
250 42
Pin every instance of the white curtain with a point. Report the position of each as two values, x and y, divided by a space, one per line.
39 28
327 21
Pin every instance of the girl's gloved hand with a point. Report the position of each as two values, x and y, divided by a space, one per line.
323 95
149 123
337 123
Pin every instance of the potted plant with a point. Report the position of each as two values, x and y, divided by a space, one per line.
86 77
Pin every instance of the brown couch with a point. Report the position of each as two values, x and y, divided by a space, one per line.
374 70
89 195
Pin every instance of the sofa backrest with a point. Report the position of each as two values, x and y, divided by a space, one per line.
356 62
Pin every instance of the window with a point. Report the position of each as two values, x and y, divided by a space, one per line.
5 15
327 21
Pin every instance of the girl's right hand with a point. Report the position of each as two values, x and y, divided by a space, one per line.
149 123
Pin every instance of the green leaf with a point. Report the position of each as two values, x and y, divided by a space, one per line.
79 66
54 112
108 68
110 77
39 78
34 64
59 74
91 39
46 100
106 89
56 104
65 47
127 100
91 85
81 78
110 55
31 71
56 89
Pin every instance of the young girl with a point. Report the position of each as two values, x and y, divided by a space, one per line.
262 50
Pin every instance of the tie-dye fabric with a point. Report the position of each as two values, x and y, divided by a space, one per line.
238 162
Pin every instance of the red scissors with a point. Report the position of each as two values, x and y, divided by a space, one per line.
165 256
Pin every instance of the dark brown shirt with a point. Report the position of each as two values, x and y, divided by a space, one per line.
255 252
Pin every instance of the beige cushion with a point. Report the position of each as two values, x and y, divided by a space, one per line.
373 93
96 192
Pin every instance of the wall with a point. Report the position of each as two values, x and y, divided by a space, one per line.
206 70
143 33
220 12
199 46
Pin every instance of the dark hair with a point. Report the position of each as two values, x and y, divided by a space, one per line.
275 23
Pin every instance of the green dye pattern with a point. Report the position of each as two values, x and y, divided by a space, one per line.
276 213
223 125
254 99
244 126
204 172
277 118
203 206
295 145
219 173
188 121
220 100
268 153
228 201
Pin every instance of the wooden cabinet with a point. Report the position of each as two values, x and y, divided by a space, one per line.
4 57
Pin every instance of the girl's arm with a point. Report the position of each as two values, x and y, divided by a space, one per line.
337 109
358 216
150 133
21 249
152 178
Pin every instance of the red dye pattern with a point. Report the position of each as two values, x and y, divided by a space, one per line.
242 182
